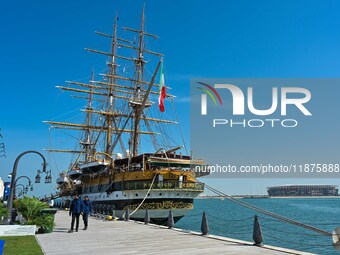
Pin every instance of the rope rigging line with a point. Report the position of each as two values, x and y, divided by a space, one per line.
144 196
269 213
180 128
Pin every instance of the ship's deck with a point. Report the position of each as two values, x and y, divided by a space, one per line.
121 237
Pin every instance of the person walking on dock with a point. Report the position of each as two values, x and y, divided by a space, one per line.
87 209
76 209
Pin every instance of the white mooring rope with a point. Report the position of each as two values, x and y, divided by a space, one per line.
145 196
269 213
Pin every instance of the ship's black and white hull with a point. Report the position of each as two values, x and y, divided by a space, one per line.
158 203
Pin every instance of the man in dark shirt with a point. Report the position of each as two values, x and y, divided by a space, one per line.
76 209
87 209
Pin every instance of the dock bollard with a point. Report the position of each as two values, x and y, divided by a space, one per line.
204 225
127 214
171 223
147 217
257 233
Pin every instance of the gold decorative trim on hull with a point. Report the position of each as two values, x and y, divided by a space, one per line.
162 205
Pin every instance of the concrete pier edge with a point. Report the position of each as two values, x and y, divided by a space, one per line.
135 237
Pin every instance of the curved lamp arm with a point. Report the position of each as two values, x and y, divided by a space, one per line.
20 189
24 176
23 186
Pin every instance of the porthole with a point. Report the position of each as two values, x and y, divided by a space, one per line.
160 194
136 194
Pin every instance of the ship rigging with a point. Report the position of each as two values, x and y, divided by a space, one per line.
124 114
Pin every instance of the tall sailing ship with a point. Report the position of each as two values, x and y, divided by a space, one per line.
121 113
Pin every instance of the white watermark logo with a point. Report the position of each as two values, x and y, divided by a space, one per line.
289 96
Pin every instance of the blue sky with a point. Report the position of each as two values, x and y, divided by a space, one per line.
42 46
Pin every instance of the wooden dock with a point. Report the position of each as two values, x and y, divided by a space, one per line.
130 237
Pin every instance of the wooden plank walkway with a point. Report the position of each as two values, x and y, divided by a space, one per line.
121 237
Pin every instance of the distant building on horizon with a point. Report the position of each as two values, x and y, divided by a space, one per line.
293 190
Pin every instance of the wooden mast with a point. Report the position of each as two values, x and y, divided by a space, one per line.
110 91
110 103
87 142
140 74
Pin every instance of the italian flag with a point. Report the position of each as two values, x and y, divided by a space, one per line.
162 92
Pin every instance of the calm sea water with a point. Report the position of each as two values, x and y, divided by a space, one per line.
231 220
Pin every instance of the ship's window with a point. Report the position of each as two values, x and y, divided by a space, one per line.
177 194
116 195
148 194
160 194
136 194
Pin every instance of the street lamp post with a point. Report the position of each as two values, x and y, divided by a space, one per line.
13 180
22 189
